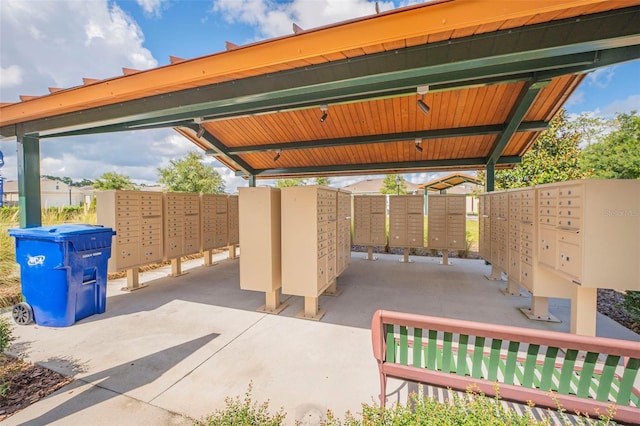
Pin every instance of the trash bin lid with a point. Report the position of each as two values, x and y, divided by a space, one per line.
58 233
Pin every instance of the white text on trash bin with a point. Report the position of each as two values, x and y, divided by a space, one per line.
35 260
98 253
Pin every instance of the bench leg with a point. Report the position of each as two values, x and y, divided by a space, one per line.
383 390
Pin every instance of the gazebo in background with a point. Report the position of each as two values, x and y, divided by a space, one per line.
456 183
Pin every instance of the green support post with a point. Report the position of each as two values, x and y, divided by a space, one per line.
252 181
491 177
28 180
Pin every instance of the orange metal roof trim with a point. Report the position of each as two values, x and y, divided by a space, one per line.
398 28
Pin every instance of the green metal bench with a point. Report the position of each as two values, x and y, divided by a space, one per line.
585 374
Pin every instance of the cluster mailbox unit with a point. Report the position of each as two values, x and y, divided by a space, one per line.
447 223
369 221
154 226
181 227
136 216
260 263
310 243
214 223
579 236
294 241
406 222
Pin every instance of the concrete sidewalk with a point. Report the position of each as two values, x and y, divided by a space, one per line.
172 352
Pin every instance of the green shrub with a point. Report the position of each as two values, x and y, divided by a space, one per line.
632 305
6 334
6 337
244 412
472 408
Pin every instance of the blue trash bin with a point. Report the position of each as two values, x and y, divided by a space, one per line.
63 272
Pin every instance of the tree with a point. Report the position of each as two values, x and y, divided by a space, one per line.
322 181
554 157
191 175
617 154
113 180
393 184
285 183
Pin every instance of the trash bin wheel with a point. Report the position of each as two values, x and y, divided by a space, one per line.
22 313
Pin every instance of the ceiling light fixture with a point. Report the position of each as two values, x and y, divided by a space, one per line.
200 132
419 144
277 156
421 103
324 116
423 106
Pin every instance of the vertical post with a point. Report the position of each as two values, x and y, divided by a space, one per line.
490 184
28 179
252 181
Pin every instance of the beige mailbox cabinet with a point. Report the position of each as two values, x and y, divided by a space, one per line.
181 224
136 216
369 220
406 221
447 225
309 243
589 232
234 220
260 263
343 224
214 221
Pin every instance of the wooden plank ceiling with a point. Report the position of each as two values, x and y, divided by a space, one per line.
493 78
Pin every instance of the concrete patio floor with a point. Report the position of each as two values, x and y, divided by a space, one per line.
172 352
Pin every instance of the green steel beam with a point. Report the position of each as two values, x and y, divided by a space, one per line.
218 147
490 183
369 167
385 138
522 105
123 127
549 48
29 205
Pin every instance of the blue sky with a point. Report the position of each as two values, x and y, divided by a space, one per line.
55 43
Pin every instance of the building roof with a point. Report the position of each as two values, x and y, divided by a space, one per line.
493 77
449 181
373 186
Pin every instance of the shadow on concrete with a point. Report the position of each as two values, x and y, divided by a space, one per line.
124 377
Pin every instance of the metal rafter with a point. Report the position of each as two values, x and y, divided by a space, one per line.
385 138
517 114
370 167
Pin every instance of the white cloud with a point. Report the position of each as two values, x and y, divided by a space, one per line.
601 77
630 103
576 98
272 19
57 43
152 7
10 76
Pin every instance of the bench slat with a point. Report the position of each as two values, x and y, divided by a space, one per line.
391 345
626 384
417 347
548 368
463 341
404 346
478 350
448 364
566 374
512 358
494 359
586 374
431 350
530 366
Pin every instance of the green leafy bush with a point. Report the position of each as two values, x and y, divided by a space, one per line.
472 408
244 412
632 305
6 337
